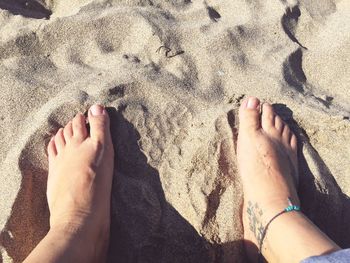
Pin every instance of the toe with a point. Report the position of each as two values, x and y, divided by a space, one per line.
99 123
268 117
249 114
294 142
59 140
279 124
79 127
286 135
68 131
51 149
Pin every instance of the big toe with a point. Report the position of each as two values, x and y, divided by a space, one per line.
249 114
99 123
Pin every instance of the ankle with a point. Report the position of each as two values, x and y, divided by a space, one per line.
278 205
83 231
304 239
89 240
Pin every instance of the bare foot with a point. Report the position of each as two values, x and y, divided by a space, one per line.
80 179
267 163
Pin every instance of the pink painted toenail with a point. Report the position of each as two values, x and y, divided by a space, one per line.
96 110
252 103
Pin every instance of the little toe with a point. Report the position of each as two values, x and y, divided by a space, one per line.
249 114
51 149
279 124
79 127
268 117
68 131
99 123
59 140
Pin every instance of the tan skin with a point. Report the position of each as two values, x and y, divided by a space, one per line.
267 162
79 191
80 178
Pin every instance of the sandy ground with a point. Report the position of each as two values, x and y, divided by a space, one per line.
172 74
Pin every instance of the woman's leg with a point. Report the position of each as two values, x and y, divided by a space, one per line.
268 166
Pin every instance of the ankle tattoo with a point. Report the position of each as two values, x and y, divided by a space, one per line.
291 207
255 217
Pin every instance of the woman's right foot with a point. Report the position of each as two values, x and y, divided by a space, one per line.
267 163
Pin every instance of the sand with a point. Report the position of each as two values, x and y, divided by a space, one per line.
172 74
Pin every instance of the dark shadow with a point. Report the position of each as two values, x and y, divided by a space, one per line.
289 21
293 72
145 227
231 255
213 14
294 75
26 8
326 102
321 198
29 221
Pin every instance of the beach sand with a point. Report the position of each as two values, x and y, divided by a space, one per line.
172 74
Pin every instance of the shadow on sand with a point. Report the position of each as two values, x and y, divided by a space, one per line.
26 8
321 197
145 227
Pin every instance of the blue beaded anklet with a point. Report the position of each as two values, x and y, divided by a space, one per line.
290 208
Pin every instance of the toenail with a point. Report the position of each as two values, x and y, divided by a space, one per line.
97 110
253 103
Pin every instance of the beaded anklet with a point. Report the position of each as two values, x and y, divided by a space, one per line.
290 208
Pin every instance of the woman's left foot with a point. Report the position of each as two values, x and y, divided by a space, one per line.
80 178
